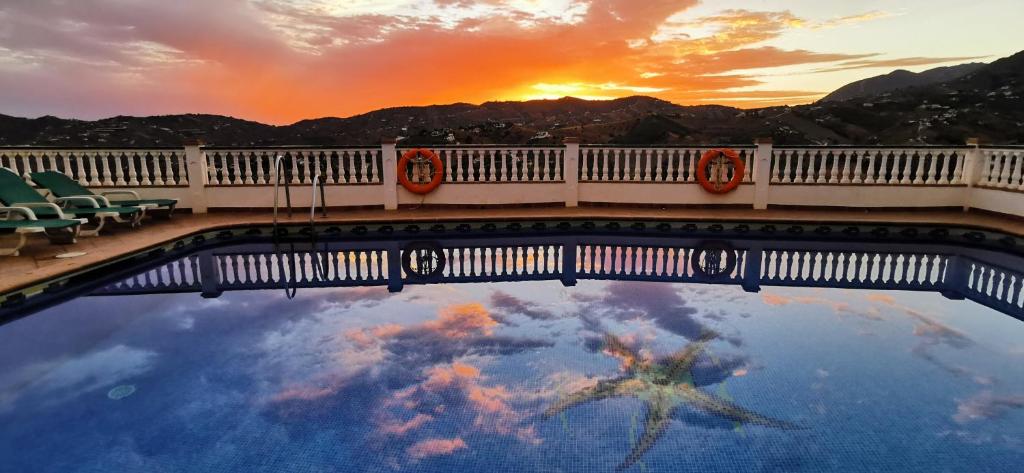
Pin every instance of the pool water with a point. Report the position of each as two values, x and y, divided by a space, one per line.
516 376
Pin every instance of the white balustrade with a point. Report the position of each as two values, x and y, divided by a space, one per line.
987 178
633 164
240 167
891 166
102 167
500 163
1003 168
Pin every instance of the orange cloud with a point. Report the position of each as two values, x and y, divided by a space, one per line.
441 377
435 447
401 428
881 298
898 62
840 308
463 320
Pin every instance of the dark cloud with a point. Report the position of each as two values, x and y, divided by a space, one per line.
658 302
510 304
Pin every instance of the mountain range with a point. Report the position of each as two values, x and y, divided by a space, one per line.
941 106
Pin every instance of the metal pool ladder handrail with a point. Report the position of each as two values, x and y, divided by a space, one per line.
287 190
317 180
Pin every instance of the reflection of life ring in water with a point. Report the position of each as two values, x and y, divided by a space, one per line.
423 260
718 160
713 259
427 171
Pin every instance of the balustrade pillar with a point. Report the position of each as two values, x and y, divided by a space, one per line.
954 284
752 269
195 160
394 262
390 177
762 163
209 276
569 262
974 161
571 174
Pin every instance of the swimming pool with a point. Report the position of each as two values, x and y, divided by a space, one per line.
533 346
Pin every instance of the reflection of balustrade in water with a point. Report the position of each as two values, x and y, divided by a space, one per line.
956 272
853 269
502 263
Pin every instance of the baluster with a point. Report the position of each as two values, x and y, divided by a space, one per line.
49 161
654 156
101 158
261 176
821 167
907 158
307 166
775 174
956 158
118 171
80 174
182 171
487 159
802 174
350 160
1015 174
888 172
848 156
648 160
613 158
921 156
631 158
933 159
790 158
559 157
329 157
364 165
94 166
857 173
943 159
158 173
294 157
38 159
246 168
869 173
456 164
543 156
132 181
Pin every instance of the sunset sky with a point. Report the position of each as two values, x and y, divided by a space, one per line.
286 60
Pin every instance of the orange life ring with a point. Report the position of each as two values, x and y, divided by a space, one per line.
415 187
717 187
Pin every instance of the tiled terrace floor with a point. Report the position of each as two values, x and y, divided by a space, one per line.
38 262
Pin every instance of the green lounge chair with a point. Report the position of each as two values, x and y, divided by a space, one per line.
63 230
63 186
14 192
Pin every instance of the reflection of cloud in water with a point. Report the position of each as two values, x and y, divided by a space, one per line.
435 447
63 379
507 303
660 303
986 406
934 333
840 308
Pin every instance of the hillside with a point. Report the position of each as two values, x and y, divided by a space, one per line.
900 79
985 102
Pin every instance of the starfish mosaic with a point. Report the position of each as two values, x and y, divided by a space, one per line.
664 385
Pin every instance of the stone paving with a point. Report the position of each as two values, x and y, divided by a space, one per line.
38 260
